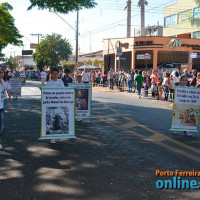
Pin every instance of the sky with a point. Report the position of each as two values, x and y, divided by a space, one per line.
107 20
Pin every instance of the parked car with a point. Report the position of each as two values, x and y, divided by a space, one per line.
171 66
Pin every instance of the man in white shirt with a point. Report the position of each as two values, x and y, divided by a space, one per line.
55 82
86 76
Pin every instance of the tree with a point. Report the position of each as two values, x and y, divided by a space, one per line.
12 63
51 50
62 6
98 63
87 62
69 66
9 34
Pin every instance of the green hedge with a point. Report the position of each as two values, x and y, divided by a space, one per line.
69 66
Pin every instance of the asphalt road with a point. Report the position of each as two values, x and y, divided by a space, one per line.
114 157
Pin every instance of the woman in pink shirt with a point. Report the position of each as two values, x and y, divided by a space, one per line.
165 85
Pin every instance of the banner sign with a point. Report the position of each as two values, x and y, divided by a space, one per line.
58 113
185 16
170 21
196 13
83 96
186 109
15 84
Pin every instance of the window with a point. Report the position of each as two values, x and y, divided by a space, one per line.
196 35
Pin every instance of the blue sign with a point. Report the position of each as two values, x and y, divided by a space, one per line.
196 13
122 58
170 21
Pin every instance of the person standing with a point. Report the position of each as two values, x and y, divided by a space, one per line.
135 85
129 80
5 88
67 79
165 84
193 79
183 83
139 80
154 79
55 82
186 72
4 91
110 78
86 76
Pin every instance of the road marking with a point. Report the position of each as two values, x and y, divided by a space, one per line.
156 138
157 141
158 134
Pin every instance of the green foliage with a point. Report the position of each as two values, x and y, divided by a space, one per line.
51 50
69 66
62 6
96 62
29 67
12 63
9 34
87 62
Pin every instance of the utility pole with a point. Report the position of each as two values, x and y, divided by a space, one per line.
142 4
77 23
128 7
38 35
90 43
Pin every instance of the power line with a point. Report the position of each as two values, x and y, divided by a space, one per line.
125 19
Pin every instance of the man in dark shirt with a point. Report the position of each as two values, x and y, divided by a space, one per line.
67 79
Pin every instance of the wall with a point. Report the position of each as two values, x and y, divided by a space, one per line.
185 27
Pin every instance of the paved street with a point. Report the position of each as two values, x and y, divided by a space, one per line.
114 156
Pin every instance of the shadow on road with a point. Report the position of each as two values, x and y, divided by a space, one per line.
104 162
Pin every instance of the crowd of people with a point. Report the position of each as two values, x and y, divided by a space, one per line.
159 83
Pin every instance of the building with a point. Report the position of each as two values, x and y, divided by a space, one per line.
182 19
84 57
156 30
25 60
146 52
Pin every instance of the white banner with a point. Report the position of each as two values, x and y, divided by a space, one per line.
186 109
58 113
83 97
15 84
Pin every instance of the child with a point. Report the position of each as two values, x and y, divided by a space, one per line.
122 79
183 83
143 88
160 91
79 79
81 103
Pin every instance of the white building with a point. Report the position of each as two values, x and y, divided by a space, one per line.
156 30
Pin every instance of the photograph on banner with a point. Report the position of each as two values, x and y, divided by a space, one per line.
22 77
83 99
15 84
58 113
186 109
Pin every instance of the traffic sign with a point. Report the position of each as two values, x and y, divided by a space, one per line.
119 51
147 56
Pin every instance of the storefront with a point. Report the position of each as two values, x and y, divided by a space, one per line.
147 52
